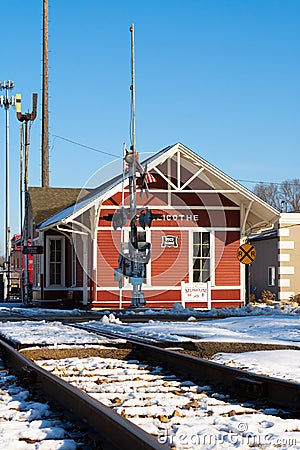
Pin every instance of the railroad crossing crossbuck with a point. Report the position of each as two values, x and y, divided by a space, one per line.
246 253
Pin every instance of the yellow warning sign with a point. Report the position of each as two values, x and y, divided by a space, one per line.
246 254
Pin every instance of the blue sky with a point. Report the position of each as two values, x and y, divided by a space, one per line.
220 76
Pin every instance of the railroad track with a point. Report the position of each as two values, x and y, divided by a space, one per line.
110 430
274 391
164 398
188 381
85 315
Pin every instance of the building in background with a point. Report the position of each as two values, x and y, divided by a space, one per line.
277 265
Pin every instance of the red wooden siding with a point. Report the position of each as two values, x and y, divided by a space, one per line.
227 271
226 304
169 264
225 294
154 298
107 259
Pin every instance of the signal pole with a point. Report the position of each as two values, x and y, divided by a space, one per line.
134 255
6 102
28 117
138 298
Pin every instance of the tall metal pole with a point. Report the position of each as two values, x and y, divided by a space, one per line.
7 102
25 231
7 198
28 117
132 179
21 207
134 255
138 298
45 106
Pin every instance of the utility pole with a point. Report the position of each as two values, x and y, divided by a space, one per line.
45 106
25 118
7 101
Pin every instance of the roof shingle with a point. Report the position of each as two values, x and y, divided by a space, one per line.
47 201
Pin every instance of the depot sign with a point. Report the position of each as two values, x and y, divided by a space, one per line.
195 292
181 217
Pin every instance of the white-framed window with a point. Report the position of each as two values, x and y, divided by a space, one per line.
73 266
271 276
55 261
201 254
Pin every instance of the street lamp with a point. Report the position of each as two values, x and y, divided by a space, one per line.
6 102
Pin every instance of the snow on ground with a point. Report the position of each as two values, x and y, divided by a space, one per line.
217 423
284 364
272 326
276 329
48 333
26 424
178 413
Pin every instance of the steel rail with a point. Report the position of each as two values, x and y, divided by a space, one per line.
274 391
113 432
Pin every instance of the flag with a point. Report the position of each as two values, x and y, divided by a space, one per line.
144 172
150 178
141 170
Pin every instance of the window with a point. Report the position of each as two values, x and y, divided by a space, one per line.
55 259
73 266
271 276
201 257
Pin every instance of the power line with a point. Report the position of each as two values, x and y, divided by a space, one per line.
258 182
118 156
86 146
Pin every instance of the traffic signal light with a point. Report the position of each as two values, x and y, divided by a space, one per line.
146 217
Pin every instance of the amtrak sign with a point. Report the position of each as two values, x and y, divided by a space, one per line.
169 241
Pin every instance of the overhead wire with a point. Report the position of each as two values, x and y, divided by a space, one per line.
86 146
130 132
258 182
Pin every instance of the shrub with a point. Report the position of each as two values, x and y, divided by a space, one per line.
295 299
267 296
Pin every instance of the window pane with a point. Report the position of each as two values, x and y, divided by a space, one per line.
196 265
205 252
196 276
52 273
196 251
196 238
271 276
205 276
205 238
58 274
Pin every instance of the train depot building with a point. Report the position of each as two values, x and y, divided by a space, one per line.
200 217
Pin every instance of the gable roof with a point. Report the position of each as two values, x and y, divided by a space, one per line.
258 212
47 201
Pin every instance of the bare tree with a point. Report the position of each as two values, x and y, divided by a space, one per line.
290 191
269 192
284 196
